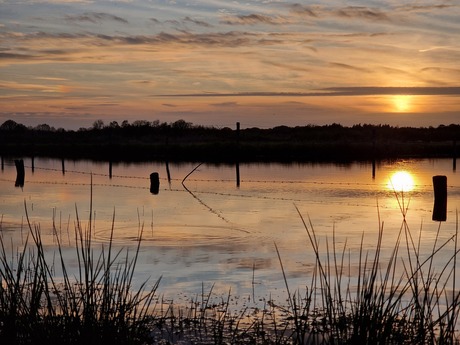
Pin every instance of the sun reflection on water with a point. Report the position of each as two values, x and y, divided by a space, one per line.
401 181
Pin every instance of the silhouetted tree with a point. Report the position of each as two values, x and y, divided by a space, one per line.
10 125
98 124
181 124
44 128
141 123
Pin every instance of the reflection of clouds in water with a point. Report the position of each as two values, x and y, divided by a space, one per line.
255 263
188 244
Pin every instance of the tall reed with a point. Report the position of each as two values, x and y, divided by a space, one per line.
400 297
384 304
96 305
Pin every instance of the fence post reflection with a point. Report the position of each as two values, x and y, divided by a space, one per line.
238 174
168 174
373 169
20 173
454 160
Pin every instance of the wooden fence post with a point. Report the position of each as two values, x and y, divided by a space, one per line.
440 198
154 183
238 155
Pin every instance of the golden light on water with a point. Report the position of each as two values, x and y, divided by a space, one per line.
401 181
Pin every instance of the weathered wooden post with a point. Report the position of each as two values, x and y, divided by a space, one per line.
3 164
440 198
154 183
238 140
20 173
63 167
33 164
238 155
110 169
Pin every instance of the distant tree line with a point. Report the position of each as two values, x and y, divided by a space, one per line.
11 125
181 140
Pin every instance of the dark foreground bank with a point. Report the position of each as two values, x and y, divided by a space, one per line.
182 141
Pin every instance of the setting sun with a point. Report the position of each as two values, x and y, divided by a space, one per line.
401 181
401 103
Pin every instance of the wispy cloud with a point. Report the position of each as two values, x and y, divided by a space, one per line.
95 17
424 8
51 78
336 91
350 67
354 12
225 104
15 56
441 69
305 10
28 87
453 48
58 1
197 22
375 91
254 19
349 12
229 39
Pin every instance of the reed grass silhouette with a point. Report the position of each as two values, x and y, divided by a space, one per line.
404 297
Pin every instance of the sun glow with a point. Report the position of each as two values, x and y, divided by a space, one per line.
401 181
402 103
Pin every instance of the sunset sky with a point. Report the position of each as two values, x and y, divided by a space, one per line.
262 63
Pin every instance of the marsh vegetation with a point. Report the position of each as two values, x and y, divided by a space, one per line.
401 298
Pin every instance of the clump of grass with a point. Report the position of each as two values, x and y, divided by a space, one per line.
97 305
382 306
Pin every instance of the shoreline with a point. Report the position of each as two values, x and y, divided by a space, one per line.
189 143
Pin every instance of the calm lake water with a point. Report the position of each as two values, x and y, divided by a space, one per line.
214 232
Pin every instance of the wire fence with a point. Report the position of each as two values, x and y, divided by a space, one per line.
283 190
248 181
